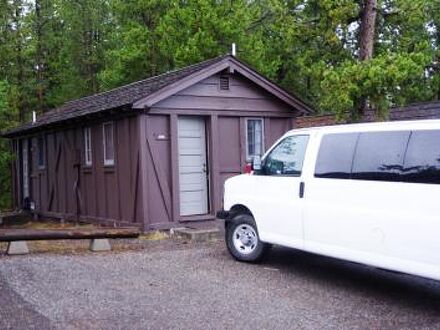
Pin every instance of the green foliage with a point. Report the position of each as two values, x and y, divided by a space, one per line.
52 51
134 53
8 119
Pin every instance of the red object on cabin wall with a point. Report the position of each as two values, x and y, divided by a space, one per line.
248 168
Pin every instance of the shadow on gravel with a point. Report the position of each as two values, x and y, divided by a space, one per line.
389 287
16 313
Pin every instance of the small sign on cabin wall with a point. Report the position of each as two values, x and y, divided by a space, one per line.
161 137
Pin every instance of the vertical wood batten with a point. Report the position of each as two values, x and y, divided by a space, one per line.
143 168
267 131
215 168
14 174
292 122
174 168
243 133
46 170
95 160
19 173
118 134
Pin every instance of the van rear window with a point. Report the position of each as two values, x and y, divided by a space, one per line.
401 156
422 160
336 156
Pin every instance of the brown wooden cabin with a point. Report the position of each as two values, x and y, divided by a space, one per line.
154 153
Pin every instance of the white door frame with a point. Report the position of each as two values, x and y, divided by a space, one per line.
25 167
197 179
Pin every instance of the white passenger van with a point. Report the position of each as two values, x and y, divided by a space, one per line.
368 193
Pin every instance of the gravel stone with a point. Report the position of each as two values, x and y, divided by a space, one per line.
199 286
16 313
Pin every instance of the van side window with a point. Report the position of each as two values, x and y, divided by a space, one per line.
422 160
287 157
336 156
379 156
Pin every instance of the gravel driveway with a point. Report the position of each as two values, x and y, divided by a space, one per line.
200 287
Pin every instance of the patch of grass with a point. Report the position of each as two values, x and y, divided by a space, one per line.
154 235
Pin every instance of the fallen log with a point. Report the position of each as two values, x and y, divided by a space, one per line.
25 234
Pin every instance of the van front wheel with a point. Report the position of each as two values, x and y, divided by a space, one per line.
242 239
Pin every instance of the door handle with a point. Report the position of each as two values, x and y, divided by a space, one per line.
301 189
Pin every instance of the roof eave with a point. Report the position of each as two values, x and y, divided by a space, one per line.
272 87
234 65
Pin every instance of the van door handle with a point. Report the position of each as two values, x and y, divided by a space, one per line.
301 189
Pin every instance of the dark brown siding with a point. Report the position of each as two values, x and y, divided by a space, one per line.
159 169
105 193
225 113
242 96
142 187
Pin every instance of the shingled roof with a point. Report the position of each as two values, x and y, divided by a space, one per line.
424 110
115 98
126 96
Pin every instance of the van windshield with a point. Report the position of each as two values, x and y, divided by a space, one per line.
287 157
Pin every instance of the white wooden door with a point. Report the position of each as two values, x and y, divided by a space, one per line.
192 166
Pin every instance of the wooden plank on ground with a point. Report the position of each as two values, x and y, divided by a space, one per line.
25 234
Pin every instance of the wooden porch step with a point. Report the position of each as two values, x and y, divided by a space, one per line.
196 235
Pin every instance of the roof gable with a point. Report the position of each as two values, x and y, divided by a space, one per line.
233 65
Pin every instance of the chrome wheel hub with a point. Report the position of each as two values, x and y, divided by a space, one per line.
245 239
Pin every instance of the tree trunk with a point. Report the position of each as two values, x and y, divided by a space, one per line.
19 58
366 46
39 60
367 30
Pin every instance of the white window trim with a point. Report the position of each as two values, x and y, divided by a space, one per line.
88 161
249 157
25 166
108 162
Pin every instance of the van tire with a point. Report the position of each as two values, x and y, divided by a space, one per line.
242 239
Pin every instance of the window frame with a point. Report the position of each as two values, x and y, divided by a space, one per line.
88 150
108 161
250 157
41 152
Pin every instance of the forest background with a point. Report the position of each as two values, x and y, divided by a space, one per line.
340 56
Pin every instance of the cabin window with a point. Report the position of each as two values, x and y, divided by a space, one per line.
41 152
224 83
254 138
109 150
88 146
